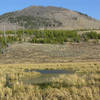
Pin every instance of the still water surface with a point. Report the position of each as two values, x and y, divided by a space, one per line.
46 75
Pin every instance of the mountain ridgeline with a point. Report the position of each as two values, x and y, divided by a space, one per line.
38 17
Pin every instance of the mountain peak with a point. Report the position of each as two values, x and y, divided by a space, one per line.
50 18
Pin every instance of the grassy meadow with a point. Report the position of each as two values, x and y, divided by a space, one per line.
83 84
22 53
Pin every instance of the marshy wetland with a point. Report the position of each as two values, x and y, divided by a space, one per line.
50 81
50 67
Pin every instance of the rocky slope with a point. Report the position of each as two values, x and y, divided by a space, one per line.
39 17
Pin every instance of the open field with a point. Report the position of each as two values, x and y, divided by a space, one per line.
83 84
51 53
47 46
46 71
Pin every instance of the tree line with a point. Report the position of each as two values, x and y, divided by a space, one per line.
46 36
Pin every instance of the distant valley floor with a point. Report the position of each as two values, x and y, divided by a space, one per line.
50 53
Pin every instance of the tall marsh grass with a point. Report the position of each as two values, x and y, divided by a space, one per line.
84 84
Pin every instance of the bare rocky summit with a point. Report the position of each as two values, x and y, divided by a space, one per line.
38 17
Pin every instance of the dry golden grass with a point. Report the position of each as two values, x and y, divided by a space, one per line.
84 84
51 53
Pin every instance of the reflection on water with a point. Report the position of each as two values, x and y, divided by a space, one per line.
53 71
46 75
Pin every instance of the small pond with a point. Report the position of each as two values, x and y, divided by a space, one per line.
46 75
50 71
